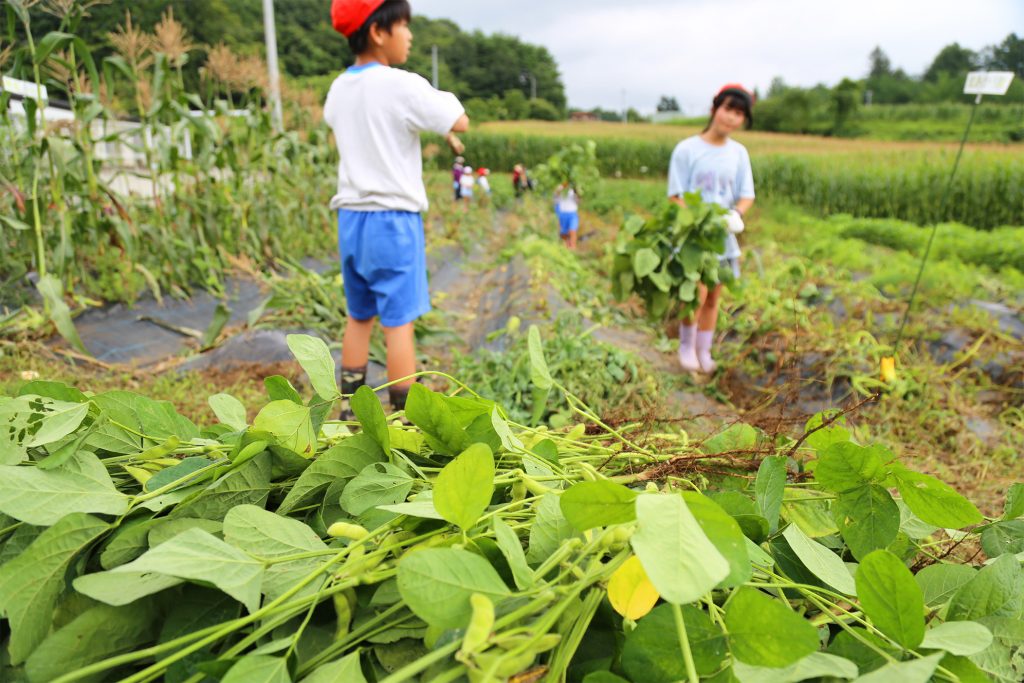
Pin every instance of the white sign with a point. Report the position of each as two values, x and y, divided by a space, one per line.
26 89
988 82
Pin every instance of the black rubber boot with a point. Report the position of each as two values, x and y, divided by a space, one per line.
351 380
398 397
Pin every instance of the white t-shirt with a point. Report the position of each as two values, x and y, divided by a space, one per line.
377 114
484 184
466 180
721 173
567 202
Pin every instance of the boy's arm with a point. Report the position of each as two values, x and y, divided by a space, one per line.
454 143
743 205
678 199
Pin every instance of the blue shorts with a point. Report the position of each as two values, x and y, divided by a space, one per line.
384 265
568 222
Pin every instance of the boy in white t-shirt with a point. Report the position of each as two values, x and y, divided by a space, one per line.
377 114
467 181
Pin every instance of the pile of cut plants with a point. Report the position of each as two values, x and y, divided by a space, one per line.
449 543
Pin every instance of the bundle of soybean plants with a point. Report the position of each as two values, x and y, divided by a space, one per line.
574 166
662 259
455 545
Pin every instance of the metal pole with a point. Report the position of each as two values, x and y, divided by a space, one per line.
270 31
433 56
625 112
533 87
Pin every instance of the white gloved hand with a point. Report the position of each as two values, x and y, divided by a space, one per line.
734 221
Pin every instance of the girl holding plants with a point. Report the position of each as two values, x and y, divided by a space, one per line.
718 167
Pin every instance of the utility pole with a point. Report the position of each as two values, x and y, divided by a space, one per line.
526 75
270 32
625 111
433 56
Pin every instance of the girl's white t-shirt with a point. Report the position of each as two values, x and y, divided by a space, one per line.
567 202
377 114
466 180
721 173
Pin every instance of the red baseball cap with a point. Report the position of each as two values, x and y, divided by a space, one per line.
348 16
736 87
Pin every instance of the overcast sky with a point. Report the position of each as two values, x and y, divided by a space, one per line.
689 48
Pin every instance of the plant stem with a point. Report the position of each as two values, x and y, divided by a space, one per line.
684 644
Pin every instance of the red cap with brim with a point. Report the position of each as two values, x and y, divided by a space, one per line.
348 16
737 87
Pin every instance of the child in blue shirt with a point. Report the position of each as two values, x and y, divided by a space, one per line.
377 114
719 168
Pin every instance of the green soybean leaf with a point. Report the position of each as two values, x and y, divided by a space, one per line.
229 411
119 587
512 549
940 582
128 542
1001 660
867 650
817 666
764 632
338 464
59 419
377 484
914 671
31 582
129 415
844 466
434 416
315 358
291 424
868 519
258 669
1014 506
248 484
891 598
464 487
825 437
414 508
603 677
962 638
679 559
180 472
273 537
820 561
810 511
736 438
590 504
280 389
437 584
550 528
935 502
196 555
994 592
43 497
540 376
94 635
651 653
769 488
725 534
645 262
1003 538
344 670
370 413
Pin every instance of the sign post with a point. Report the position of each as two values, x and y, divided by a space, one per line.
979 83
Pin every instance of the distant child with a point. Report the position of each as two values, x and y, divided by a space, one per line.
718 167
377 114
457 176
467 181
483 182
520 181
567 208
